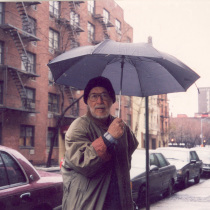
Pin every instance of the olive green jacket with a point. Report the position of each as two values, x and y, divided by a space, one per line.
86 169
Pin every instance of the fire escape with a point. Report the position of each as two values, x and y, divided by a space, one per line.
74 27
105 23
21 37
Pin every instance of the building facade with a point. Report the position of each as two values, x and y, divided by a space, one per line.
32 34
204 100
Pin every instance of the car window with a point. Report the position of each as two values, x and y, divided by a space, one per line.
193 156
161 160
3 176
153 160
13 170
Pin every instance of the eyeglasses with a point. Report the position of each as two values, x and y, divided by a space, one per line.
94 97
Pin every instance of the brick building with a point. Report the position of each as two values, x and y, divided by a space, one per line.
31 34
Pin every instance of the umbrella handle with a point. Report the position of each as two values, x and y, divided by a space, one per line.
121 78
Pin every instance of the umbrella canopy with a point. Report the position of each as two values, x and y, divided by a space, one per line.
146 71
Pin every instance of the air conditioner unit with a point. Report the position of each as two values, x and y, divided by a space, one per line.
32 105
51 50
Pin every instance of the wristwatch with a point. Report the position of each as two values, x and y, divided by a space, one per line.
109 137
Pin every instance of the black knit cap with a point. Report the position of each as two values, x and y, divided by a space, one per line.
99 82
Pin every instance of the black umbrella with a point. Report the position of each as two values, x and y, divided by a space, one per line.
135 69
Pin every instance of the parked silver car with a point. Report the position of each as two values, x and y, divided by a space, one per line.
162 176
187 163
204 155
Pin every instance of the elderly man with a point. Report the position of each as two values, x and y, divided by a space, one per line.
98 155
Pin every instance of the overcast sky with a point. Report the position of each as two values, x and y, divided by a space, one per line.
180 28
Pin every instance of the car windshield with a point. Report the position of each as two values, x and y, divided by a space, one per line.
203 155
175 154
138 159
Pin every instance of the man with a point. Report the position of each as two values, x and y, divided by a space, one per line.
98 155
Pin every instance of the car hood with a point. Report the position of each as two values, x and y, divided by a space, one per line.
178 163
135 172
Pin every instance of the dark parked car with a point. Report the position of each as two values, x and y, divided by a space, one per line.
22 187
162 176
204 155
187 163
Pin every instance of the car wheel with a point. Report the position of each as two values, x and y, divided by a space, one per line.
169 190
185 181
197 178
141 201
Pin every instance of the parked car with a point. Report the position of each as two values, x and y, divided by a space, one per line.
187 163
204 155
162 176
22 187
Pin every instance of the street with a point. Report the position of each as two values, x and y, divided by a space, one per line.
194 197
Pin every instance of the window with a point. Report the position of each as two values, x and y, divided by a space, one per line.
1 92
50 77
74 19
91 5
118 26
128 40
10 171
1 13
33 25
50 136
161 160
53 40
29 66
74 111
91 32
127 101
128 119
106 16
26 136
30 94
53 103
54 8
153 160
1 52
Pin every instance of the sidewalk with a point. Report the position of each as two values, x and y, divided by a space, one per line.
196 197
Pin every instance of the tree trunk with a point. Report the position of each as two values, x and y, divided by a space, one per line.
58 125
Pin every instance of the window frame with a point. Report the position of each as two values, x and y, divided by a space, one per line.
32 63
5 169
106 16
91 32
1 12
54 9
52 105
25 127
51 131
118 26
91 7
1 92
53 43
74 19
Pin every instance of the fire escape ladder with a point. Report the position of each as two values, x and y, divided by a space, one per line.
20 87
74 29
21 49
104 26
72 6
24 17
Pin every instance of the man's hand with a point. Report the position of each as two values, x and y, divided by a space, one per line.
116 129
